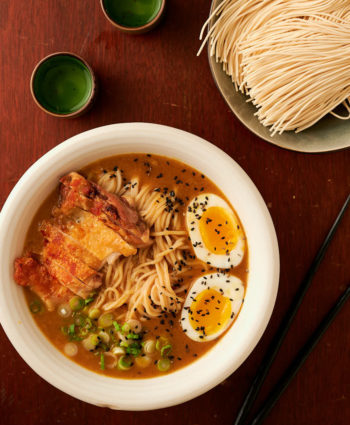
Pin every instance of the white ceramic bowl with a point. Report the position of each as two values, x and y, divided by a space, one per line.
231 350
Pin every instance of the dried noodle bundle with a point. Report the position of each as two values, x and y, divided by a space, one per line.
294 68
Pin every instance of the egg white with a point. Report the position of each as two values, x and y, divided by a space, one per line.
229 286
195 209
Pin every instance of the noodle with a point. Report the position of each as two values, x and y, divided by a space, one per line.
295 69
149 282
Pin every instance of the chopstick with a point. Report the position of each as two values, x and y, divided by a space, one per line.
286 322
299 360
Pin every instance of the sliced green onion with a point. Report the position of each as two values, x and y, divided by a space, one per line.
126 328
76 303
85 310
91 342
124 363
163 364
143 361
149 346
90 298
94 313
134 348
70 349
71 329
35 306
116 325
88 323
161 342
83 332
102 361
166 350
133 336
105 320
117 350
104 336
79 320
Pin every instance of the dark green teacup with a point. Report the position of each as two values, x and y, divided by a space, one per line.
63 85
133 16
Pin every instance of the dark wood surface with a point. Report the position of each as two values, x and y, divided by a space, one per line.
158 78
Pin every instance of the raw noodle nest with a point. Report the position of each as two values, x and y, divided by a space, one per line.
295 69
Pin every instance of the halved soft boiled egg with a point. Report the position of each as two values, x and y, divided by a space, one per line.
216 235
211 305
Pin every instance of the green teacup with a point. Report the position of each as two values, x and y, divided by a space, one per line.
133 16
63 85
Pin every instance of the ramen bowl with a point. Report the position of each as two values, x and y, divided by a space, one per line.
229 352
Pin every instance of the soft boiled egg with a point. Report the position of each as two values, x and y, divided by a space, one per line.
211 306
216 235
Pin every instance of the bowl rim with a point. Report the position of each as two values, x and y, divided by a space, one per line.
159 386
85 106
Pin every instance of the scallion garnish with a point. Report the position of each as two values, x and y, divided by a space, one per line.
132 335
124 363
126 328
35 306
166 350
163 364
116 325
134 348
89 300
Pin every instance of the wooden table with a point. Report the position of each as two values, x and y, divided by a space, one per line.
158 78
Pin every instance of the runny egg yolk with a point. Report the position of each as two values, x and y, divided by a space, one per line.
218 230
210 312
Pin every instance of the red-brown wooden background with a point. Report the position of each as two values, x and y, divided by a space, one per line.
158 78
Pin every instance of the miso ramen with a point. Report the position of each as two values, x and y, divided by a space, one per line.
135 265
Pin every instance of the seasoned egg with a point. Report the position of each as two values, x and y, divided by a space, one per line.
211 306
216 235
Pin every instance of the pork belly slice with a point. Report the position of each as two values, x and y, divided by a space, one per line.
29 272
113 210
69 271
66 279
93 235
55 235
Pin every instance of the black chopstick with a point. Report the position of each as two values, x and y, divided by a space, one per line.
299 360
286 322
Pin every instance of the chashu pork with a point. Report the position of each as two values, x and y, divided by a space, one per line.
54 234
29 272
70 271
111 209
91 234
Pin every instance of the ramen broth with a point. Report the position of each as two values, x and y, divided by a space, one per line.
158 172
